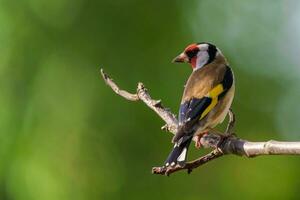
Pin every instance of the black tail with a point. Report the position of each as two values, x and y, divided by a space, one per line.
179 152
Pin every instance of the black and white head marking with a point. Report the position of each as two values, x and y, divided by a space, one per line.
207 53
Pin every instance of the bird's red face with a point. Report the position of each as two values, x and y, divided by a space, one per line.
189 55
197 55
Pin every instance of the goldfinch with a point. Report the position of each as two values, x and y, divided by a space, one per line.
206 99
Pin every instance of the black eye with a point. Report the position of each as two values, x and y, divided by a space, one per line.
192 53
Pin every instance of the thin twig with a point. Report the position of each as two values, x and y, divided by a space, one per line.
116 89
231 123
189 166
143 95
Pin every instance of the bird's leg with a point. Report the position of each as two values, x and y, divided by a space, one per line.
197 138
231 122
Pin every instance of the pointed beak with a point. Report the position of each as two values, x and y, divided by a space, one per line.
181 58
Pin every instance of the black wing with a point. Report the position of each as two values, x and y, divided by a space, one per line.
192 110
189 113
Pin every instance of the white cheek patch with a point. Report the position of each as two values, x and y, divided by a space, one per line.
202 59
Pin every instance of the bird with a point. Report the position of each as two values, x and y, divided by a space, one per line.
206 100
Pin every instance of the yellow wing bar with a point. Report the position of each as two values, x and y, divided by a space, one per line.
213 94
216 91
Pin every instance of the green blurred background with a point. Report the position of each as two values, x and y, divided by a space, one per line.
65 135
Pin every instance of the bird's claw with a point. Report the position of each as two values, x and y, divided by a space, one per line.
197 140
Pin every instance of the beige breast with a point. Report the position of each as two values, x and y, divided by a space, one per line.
218 114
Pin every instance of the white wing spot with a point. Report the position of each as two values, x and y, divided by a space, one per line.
182 155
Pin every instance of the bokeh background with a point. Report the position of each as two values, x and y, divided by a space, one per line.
65 135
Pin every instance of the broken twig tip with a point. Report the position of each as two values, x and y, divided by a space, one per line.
103 74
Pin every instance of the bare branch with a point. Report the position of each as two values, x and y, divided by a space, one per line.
222 144
189 166
116 89
271 147
143 95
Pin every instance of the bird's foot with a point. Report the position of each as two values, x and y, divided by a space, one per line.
197 140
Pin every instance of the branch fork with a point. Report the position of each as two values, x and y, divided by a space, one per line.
221 143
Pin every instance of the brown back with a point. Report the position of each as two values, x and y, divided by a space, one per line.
204 79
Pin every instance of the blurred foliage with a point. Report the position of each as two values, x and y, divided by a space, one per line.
65 135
